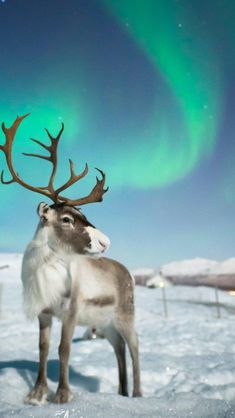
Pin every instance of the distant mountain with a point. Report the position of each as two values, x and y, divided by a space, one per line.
201 272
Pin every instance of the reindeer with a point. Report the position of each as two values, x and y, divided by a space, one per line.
64 275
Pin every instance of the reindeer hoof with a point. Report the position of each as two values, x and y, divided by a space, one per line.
123 392
37 396
137 394
63 395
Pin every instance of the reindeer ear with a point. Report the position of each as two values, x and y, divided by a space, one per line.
41 208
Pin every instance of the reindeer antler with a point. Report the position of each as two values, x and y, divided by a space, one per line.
96 195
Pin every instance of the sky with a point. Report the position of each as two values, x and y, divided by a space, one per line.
145 89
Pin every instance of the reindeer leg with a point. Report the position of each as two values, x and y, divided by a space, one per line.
118 343
39 392
126 329
63 393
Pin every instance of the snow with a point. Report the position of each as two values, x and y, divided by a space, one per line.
226 267
187 359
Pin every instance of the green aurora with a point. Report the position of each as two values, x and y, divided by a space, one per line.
184 130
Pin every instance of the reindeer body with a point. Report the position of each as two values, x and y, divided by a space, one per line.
63 277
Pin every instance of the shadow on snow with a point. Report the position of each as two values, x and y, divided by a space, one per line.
27 370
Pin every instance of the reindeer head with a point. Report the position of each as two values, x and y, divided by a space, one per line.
67 228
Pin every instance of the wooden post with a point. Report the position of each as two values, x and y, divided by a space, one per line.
1 288
164 301
217 303
4 267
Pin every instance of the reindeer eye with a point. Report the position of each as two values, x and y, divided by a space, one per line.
66 220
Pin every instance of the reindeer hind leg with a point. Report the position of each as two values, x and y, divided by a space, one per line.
126 329
118 344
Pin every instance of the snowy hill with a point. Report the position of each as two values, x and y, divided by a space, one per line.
199 266
187 359
201 272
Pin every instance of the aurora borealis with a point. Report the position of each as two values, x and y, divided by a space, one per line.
192 90
145 90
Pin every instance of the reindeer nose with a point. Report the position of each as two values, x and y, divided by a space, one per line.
102 244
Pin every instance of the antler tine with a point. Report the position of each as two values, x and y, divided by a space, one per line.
10 132
73 179
96 194
43 157
7 147
52 157
47 147
53 154
4 181
40 143
57 138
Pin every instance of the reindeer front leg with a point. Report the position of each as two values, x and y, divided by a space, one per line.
63 393
40 390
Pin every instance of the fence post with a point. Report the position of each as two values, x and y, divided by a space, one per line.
164 301
217 303
1 288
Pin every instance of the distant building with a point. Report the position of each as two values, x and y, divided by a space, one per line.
143 275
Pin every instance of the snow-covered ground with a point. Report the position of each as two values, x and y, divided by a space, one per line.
187 359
